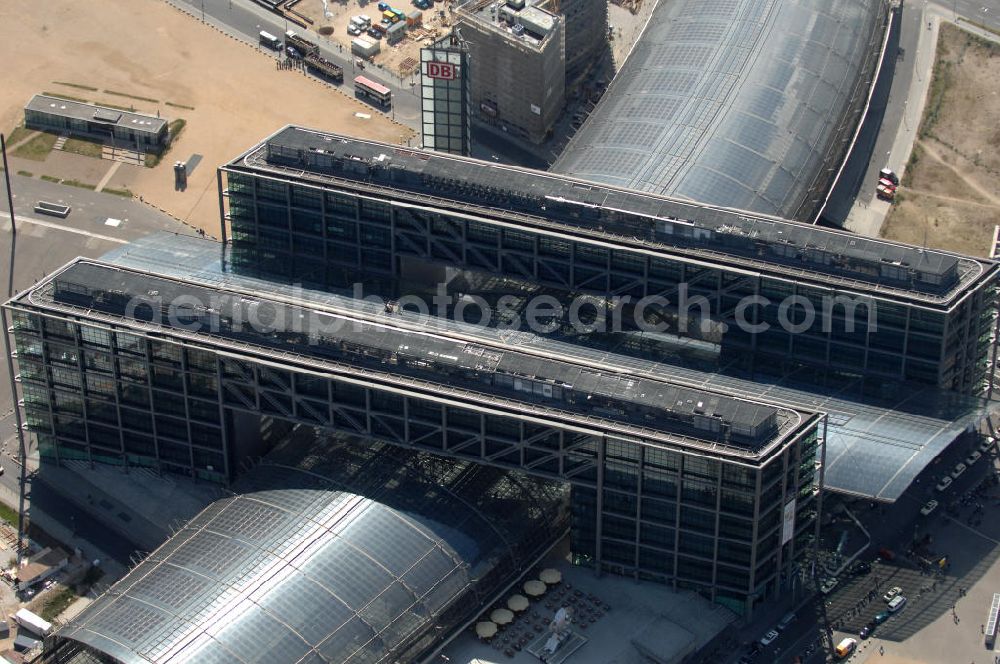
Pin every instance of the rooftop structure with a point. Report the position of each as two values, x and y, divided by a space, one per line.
559 203
337 553
744 104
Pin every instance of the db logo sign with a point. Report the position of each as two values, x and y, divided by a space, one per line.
442 70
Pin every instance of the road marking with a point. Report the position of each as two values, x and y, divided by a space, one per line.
60 227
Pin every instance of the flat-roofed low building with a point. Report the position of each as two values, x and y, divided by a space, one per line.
124 129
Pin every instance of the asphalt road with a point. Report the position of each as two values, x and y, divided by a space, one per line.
986 12
245 20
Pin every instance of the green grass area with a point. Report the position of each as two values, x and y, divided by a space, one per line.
60 95
941 82
18 135
76 85
85 148
81 185
174 129
51 178
9 515
176 105
58 603
27 174
125 94
38 148
124 193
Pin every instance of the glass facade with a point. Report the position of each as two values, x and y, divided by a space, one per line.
299 232
115 395
445 97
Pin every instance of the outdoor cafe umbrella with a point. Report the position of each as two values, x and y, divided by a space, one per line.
550 576
502 616
517 603
534 588
486 629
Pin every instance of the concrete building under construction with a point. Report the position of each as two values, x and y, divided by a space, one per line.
519 57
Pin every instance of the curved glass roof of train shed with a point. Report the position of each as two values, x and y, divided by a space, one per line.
731 102
348 552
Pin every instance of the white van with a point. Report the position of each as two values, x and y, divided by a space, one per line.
269 40
897 603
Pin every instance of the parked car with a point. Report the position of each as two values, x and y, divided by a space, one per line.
889 175
862 567
353 31
769 638
929 507
973 458
897 603
987 444
892 593
944 483
865 632
827 586
291 52
786 621
374 34
881 617
885 553
957 471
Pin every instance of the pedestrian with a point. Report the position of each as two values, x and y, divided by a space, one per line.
982 628
881 650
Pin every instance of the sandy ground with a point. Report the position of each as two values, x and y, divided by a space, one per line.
951 195
146 48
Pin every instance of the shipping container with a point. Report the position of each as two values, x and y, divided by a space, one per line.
364 47
395 33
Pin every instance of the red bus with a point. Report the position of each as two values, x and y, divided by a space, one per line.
373 92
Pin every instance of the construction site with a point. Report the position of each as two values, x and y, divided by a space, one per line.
333 20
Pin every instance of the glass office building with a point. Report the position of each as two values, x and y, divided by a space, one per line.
319 208
695 488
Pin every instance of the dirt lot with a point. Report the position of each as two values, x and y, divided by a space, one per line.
950 198
400 59
214 82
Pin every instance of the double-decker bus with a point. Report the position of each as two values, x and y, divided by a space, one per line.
372 92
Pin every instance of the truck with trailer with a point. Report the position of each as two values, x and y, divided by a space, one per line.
303 46
325 68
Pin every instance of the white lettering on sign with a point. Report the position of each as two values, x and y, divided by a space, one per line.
442 70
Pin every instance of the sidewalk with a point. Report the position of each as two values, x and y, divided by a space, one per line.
867 216
112 569
144 506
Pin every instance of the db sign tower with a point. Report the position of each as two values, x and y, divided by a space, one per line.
445 97
444 71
